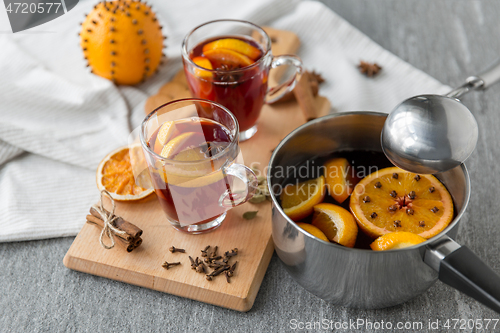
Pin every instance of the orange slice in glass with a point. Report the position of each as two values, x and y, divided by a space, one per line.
396 240
165 132
175 145
339 179
392 200
298 200
219 57
313 231
205 63
115 175
336 223
235 45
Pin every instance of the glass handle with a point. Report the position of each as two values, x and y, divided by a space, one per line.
232 198
276 93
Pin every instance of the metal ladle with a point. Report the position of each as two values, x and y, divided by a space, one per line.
434 133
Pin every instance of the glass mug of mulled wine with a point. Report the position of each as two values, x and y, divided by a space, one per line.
194 160
228 62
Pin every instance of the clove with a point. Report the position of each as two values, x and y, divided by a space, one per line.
219 270
204 252
214 252
230 254
213 265
167 265
193 264
231 270
392 208
173 249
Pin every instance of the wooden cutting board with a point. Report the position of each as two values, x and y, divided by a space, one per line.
142 267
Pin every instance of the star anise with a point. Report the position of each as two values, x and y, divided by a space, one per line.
369 69
228 77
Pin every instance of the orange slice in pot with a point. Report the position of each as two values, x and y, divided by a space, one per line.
396 240
298 200
219 57
336 223
235 45
339 179
392 200
115 175
313 231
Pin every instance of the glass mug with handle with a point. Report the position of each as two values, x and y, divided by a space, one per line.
228 61
191 151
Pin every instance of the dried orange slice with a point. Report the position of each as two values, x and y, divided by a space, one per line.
234 45
313 231
336 223
392 200
228 57
115 175
339 179
205 63
298 200
396 240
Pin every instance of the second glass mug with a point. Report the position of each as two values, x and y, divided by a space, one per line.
191 150
243 90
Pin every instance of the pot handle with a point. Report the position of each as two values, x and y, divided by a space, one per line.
461 269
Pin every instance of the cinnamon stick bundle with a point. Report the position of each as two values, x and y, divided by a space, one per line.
128 246
121 224
132 237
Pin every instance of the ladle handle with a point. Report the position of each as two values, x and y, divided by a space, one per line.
489 76
461 269
478 82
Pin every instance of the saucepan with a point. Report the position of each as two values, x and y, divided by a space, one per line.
363 278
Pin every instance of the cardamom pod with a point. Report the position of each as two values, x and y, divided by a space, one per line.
258 198
250 215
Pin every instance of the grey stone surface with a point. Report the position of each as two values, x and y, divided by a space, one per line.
449 39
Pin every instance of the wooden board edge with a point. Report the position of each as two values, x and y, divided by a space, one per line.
261 272
233 302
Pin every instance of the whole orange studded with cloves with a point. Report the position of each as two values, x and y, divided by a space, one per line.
122 41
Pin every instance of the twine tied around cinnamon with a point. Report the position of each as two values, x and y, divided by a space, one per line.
108 218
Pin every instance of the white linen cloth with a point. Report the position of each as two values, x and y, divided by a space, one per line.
57 121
